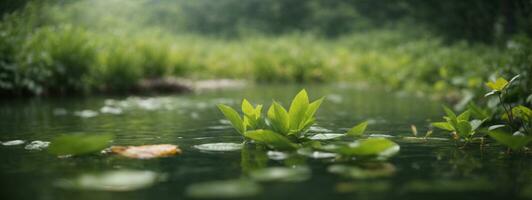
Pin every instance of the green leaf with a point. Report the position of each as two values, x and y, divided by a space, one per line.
523 113
247 108
514 142
358 130
464 128
476 123
370 147
79 144
298 110
251 115
449 113
270 138
443 125
497 85
233 117
464 116
309 115
278 117
478 112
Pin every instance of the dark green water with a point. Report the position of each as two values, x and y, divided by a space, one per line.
423 169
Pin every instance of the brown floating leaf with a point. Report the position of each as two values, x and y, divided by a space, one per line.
146 151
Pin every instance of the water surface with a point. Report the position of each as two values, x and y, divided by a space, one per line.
431 169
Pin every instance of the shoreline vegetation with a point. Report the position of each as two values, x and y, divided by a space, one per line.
51 49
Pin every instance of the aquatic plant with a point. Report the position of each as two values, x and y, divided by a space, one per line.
460 125
284 129
515 133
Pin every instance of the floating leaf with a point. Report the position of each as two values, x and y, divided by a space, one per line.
271 138
515 142
223 189
146 151
123 180
358 130
79 144
497 85
326 136
316 154
219 147
13 142
233 117
281 174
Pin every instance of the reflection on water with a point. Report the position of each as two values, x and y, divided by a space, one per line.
214 155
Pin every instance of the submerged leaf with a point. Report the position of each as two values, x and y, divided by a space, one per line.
223 189
123 180
79 144
358 130
219 147
271 139
367 172
146 151
233 117
370 147
281 174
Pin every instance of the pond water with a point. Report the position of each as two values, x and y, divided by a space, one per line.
433 169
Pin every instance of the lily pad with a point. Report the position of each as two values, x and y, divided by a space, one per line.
219 147
326 136
122 180
223 189
79 144
281 174
147 151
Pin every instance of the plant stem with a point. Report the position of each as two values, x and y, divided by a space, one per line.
510 117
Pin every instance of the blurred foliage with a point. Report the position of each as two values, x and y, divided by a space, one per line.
58 46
